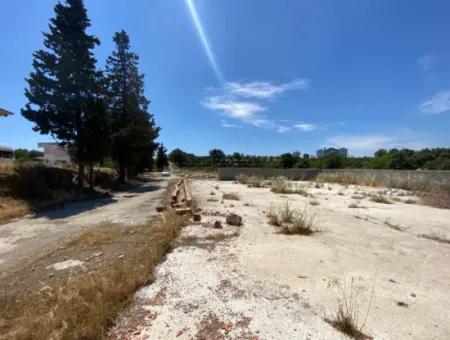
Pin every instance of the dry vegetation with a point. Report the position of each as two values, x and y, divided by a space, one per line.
251 181
281 185
379 199
441 238
231 196
292 221
432 193
27 188
349 319
393 225
83 306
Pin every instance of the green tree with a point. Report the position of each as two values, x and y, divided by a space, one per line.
64 80
178 157
216 156
22 155
162 160
287 160
133 129
96 136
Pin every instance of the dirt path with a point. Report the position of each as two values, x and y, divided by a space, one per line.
22 239
251 282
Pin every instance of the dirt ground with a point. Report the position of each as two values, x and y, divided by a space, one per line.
251 282
26 238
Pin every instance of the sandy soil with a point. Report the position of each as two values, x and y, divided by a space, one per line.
25 238
251 282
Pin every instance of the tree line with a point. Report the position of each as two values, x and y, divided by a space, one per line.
398 159
97 113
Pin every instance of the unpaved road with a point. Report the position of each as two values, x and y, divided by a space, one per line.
25 238
251 282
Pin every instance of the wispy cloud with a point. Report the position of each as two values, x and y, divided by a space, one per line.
305 127
228 125
264 89
233 102
438 104
283 129
426 62
234 109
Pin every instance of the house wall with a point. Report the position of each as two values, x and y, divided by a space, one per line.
54 153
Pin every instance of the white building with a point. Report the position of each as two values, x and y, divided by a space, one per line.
55 153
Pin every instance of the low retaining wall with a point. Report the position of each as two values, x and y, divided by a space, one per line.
229 174
382 176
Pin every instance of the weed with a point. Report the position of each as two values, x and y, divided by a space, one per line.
393 225
303 223
348 318
438 237
231 196
380 199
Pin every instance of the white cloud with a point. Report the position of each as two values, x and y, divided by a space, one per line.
264 89
426 62
232 108
283 129
305 127
438 104
228 125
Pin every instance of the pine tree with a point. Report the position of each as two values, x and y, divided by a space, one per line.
162 160
133 129
64 80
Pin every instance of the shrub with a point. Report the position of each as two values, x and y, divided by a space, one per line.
231 196
303 223
348 318
380 199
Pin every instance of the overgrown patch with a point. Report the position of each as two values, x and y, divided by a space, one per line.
84 305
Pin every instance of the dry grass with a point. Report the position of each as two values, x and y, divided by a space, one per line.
251 181
84 305
349 319
12 208
379 199
292 221
303 223
27 188
438 237
393 225
281 185
433 193
354 205
231 196
280 214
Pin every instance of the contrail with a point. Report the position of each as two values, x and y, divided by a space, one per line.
204 40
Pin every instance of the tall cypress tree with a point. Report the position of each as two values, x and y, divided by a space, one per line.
64 82
133 128
162 160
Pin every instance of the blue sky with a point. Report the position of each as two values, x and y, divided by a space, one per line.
260 76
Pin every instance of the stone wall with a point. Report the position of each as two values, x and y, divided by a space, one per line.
380 176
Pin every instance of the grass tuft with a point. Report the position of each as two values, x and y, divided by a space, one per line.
231 196
348 318
380 199
438 237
